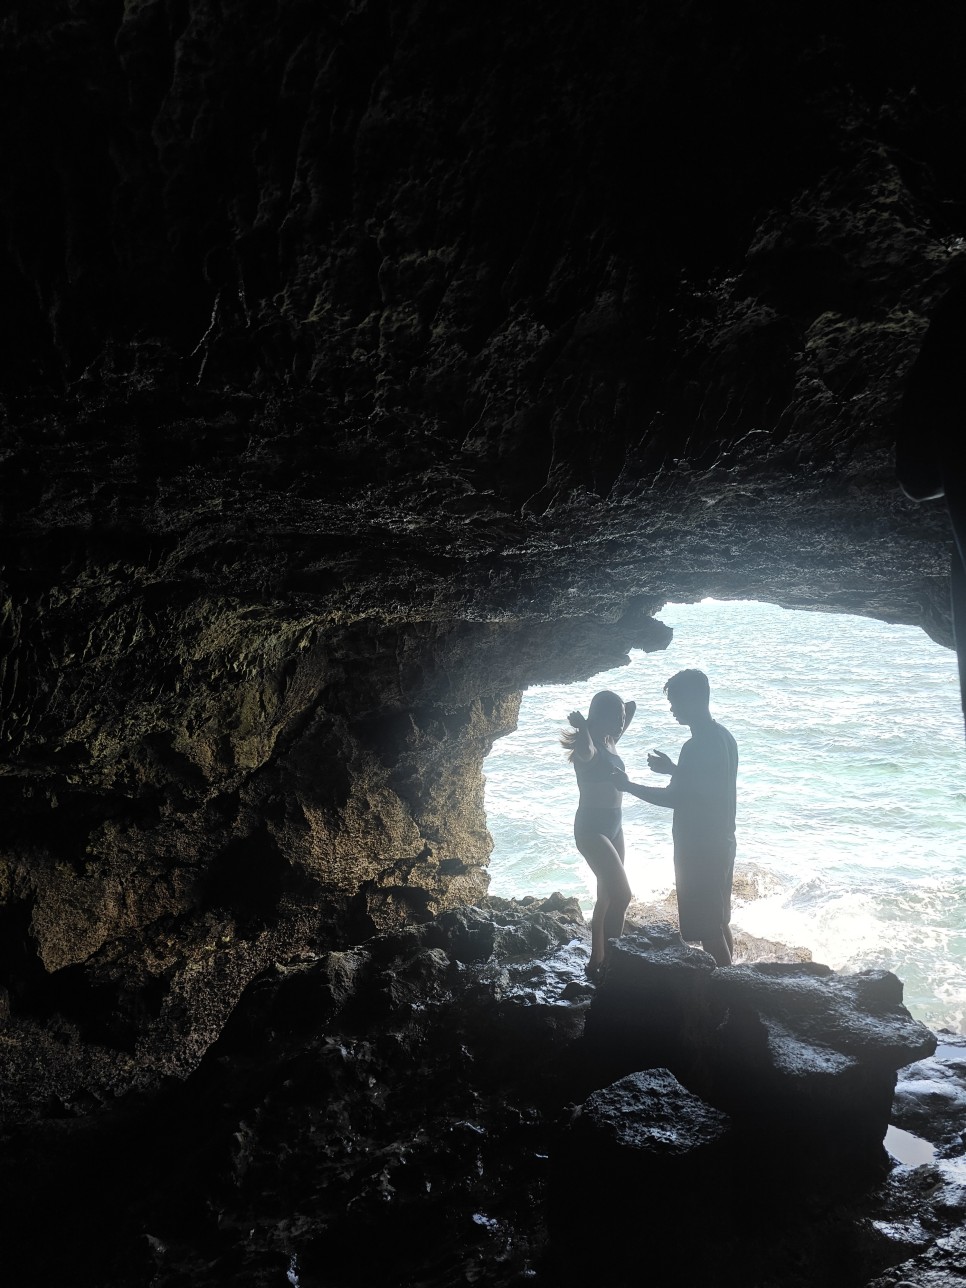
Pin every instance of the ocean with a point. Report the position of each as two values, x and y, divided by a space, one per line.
851 788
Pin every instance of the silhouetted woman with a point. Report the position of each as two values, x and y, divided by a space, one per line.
598 832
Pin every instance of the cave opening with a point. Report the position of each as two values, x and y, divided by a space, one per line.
850 826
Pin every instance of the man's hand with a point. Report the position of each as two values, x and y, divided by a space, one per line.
620 780
577 720
659 763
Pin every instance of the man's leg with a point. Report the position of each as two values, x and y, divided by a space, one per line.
704 904
725 941
719 947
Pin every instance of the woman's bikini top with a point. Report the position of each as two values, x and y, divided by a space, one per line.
599 768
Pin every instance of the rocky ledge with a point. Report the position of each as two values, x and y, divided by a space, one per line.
444 1104
803 1059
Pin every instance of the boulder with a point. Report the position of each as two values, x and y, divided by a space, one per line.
941 1266
808 1056
796 1053
647 1125
642 1154
653 1005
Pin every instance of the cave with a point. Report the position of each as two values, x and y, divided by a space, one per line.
366 364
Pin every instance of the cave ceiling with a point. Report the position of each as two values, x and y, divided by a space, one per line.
352 312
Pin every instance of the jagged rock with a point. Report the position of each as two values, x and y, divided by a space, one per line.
652 1007
792 1051
751 948
943 1266
648 1119
930 1098
751 882
641 1152
811 1056
405 1084
417 1084
346 396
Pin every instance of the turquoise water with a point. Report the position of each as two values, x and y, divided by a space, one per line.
851 788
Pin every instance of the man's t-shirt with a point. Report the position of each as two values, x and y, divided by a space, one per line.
703 792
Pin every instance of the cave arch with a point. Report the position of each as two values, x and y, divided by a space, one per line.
850 823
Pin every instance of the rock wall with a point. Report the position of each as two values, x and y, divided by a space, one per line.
366 363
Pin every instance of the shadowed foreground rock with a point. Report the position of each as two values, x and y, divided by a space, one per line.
801 1057
642 1142
404 1112
382 1115
788 1073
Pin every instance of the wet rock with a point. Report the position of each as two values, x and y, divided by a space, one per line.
752 948
811 1057
393 1086
350 388
307 476
942 1266
751 883
793 1051
418 1084
648 1119
934 1193
930 1097
641 1151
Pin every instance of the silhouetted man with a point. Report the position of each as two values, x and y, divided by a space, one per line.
702 794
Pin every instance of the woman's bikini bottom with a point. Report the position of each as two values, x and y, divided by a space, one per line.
591 821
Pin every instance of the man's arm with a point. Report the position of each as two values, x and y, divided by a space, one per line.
653 795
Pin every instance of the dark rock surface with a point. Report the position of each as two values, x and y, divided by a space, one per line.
423 1108
364 364
396 1099
930 1099
803 1057
943 1266
651 1117
798 1065
814 1055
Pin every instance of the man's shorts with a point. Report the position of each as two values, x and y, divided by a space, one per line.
704 894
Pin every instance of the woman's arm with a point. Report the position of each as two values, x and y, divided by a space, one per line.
629 709
584 748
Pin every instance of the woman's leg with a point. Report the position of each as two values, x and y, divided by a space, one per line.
613 892
597 941
619 897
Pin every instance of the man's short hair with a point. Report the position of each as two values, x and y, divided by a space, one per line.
689 684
